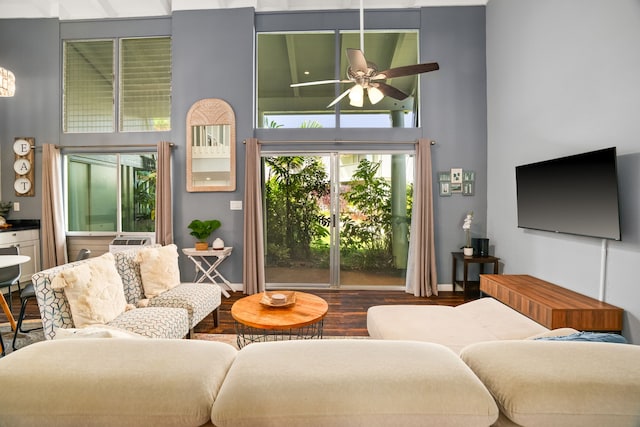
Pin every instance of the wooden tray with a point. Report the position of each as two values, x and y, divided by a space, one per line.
290 299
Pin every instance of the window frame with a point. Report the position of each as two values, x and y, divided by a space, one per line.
118 166
339 22
116 92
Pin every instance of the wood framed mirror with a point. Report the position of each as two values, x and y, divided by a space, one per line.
211 146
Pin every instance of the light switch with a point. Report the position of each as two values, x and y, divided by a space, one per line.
235 205
16 206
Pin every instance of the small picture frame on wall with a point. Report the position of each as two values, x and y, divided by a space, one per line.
456 188
468 188
445 188
456 175
444 176
468 176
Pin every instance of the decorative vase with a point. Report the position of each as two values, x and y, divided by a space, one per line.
202 246
467 251
218 244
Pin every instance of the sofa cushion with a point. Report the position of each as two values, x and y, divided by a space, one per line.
129 271
351 382
485 319
550 383
93 290
154 322
199 299
102 331
113 382
158 269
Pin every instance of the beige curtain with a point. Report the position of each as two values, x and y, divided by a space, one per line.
421 267
253 269
164 212
54 241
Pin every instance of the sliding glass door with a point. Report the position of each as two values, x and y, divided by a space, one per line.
338 219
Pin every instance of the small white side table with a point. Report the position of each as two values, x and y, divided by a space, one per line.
206 269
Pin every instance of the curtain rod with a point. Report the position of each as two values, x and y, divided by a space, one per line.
333 142
171 144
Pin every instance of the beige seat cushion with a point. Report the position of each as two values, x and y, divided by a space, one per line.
485 319
113 382
351 382
550 383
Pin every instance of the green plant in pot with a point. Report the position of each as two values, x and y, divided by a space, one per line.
201 230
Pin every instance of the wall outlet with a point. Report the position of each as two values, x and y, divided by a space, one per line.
16 206
235 205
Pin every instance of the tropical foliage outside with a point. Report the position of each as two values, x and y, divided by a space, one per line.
297 193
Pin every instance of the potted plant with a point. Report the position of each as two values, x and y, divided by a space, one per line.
5 208
466 226
201 230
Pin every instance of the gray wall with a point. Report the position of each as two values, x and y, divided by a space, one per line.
563 79
34 111
213 57
454 114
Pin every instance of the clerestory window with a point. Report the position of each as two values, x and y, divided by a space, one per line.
126 78
296 57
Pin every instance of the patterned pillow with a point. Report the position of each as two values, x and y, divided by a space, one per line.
94 291
159 269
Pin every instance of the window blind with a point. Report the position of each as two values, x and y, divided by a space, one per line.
145 84
88 86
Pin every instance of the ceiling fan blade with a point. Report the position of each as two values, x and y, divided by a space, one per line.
357 60
319 82
391 91
407 70
338 99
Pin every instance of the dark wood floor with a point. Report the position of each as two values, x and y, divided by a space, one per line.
347 309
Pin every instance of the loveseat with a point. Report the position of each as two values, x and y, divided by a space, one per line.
341 382
136 290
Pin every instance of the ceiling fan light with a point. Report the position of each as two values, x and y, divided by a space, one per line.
356 96
375 95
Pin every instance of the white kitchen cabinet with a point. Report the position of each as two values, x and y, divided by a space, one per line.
28 241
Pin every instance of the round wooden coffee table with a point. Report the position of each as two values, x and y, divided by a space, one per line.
256 322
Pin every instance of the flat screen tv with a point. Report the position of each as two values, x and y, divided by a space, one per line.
575 194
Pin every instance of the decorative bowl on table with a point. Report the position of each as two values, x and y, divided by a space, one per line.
278 298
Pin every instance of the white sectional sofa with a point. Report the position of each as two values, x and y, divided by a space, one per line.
319 383
485 319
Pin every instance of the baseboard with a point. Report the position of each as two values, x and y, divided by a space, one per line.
444 287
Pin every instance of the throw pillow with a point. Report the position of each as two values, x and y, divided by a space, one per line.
159 269
94 291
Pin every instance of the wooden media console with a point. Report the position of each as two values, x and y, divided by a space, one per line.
551 305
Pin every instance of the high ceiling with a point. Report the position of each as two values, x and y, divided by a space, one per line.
100 9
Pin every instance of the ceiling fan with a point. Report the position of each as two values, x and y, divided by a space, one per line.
365 75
